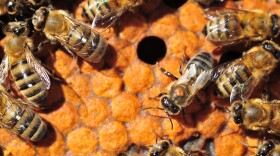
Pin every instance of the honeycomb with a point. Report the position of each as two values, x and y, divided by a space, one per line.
100 110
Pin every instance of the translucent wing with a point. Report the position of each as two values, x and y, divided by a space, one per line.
84 32
4 69
106 16
202 80
217 71
243 91
215 13
38 67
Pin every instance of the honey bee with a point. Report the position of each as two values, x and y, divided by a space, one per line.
20 7
3 7
75 36
257 115
194 76
227 26
165 148
105 12
17 118
29 75
269 148
238 78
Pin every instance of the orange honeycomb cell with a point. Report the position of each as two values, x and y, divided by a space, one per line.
164 23
183 43
229 145
106 86
64 63
192 16
135 83
82 141
113 136
125 110
143 130
80 83
104 153
95 111
71 95
210 121
6 136
18 147
64 118
252 5
134 28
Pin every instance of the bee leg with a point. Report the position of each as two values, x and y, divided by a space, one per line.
158 96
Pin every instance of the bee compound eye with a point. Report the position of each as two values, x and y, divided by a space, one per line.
238 120
237 107
165 145
155 153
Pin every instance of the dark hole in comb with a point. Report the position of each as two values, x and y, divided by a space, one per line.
229 56
174 3
151 49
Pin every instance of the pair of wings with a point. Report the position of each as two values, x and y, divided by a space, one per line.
103 20
215 14
32 61
240 91
200 81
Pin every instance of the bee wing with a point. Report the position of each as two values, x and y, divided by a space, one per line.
243 91
106 21
217 71
202 80
215 13
38 67
4 69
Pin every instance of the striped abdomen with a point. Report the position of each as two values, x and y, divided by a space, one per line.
226 28
103 9
22 121
86 43
29 82
237 74
203 62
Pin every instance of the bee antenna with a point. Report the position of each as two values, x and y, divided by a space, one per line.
243 143
168 115
153 108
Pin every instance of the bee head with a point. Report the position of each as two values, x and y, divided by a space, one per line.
266 148
20 28
160 148
169 106
272 47
12 7
237 113
40 17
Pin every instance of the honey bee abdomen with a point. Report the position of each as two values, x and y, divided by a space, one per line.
101 9
203 61
36 129
86 43
29 82
226 28
235 75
